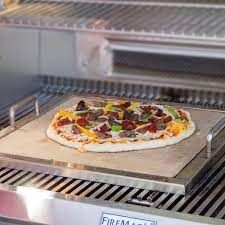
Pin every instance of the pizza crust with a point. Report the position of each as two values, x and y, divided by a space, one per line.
122 147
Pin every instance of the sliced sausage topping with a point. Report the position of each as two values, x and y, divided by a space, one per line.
101 119
154 119
103 135
128 125
81 106
102 128
113 115
160 125
75 130
92 116
160 113
130 115
124 105
113 121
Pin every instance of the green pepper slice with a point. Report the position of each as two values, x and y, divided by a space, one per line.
172 111
116 128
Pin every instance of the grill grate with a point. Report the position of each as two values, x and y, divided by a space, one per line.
143 18
203 98
206 199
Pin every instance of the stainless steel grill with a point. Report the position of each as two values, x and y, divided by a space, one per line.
199 22
106 52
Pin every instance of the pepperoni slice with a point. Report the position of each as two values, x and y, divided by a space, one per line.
167 119
151 128
82 121
63 121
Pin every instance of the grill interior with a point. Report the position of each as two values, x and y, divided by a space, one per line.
59 85
166 19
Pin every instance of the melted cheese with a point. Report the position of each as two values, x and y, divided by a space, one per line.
67 114
177 127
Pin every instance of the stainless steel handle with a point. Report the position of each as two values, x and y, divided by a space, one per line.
213 132
12 111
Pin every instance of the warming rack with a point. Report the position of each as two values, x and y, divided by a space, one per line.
194 23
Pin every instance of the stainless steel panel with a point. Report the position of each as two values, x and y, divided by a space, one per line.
57 53
19 52
47 208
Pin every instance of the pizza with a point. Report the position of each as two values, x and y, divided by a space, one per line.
119 125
